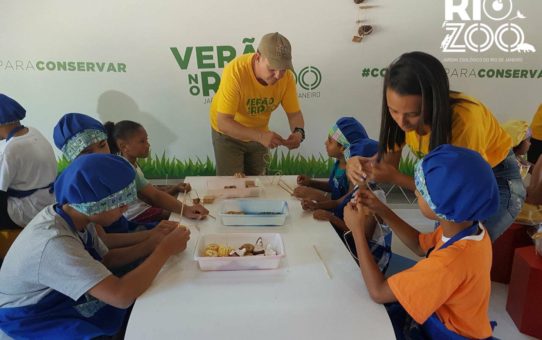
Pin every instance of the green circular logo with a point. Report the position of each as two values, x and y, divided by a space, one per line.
309 78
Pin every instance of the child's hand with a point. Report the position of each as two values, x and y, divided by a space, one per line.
322 215
164 227
195 212
175 242
303 180
309 204
355 216
369 200
308 193
183 187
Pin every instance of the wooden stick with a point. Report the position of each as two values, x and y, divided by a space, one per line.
211 216
322 261
286 189
184 203
286 184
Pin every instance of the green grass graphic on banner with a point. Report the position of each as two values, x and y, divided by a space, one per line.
161 167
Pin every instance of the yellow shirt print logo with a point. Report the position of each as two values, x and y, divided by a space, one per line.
257 106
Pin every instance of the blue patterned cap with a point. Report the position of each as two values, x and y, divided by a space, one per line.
347 131
96 183
10 110
457 184
74 132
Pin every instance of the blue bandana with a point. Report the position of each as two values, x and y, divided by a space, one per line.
10 110
96 183
74 132
457 184
347 132
364 148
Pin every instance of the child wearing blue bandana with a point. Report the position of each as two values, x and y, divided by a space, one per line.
446 295
77 134
324 196
27 167
56 281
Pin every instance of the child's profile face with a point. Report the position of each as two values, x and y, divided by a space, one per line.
333 148
424 207
99 147
108 217
137 145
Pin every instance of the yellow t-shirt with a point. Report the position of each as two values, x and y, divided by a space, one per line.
241 95
536 125
473 127
453 282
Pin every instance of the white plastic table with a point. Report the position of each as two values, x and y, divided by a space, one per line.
296 301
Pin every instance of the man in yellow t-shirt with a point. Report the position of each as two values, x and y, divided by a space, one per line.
252 87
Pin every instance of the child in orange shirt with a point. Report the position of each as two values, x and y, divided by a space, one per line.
447 294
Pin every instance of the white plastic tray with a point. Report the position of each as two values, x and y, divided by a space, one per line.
216 186
252 209
235 240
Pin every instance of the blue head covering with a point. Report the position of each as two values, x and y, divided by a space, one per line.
96 183
347 131
74 132
10 110
364 148
457 184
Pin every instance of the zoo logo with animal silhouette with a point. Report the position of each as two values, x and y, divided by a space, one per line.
465 30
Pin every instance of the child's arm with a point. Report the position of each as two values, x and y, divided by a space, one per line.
132 250
162 200
376 283
308 182
174 190
403 230
118 240
325 215
122 292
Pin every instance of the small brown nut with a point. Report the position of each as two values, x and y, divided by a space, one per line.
248 247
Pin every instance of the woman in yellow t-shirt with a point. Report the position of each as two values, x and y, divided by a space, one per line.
419 110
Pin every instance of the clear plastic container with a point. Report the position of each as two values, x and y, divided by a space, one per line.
235 240
253 212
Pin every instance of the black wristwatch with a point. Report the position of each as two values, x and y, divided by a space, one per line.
301 131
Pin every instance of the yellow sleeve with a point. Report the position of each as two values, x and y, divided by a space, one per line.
229 92
290 102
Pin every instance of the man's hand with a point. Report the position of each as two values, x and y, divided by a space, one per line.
293 141
270 139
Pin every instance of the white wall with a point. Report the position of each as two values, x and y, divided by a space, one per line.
155 91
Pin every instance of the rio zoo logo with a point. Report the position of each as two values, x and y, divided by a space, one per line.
466 31
209 59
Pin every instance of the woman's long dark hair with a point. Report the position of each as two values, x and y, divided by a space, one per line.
417 73
124 130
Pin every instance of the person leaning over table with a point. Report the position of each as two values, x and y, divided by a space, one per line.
420 111
252 87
